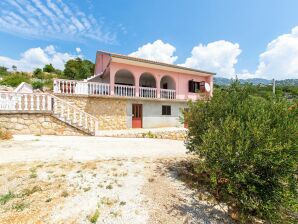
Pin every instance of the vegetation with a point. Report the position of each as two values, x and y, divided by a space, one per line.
43 77
6 197
49 68
94 217
14 79
247 142
37 84
5 135
3 71
78 69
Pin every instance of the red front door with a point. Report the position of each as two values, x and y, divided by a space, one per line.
137 114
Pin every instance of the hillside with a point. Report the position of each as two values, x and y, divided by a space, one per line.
255 81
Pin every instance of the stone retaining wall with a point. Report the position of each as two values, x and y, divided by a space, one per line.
38 124
111 113
174 135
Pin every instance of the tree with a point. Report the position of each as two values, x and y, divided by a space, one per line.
14 68
78 69
3 71
37 73
49 68
248 146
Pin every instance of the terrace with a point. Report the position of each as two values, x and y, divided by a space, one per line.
124 86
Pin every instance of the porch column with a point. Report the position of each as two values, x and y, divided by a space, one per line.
112 82
158 85
137 84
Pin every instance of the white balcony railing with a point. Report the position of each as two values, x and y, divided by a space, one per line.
168 93
148 92
72 87
80 87
11 101
123 90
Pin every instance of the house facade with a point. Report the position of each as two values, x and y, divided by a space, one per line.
128 92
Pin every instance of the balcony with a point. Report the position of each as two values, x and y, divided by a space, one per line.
73 87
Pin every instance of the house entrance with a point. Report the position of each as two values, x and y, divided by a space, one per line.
137 115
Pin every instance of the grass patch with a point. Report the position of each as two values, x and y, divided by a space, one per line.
33 175
64 194
20 206
86 189
6 197
28 192
122 203
110 187
108 201
94 217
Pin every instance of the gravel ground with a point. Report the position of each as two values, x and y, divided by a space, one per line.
54 179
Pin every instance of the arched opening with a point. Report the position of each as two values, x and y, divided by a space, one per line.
147 80
147 85
167 82
167 87
124 83
124 77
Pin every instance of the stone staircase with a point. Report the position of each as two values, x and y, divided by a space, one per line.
12 102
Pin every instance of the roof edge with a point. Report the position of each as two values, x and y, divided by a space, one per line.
152 62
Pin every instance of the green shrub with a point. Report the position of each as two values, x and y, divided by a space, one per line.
248 145
3 71
15 79
94 217
37 84
49 68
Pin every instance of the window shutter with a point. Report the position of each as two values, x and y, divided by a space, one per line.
190 86
202 86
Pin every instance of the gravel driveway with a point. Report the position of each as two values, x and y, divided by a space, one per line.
55 179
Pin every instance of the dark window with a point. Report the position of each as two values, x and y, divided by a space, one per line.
194 87
166 110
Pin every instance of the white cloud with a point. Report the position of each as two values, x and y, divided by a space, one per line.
51 19
219 56
280 60
157 51
37 57
78 50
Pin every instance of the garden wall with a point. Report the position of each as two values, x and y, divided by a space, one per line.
38 124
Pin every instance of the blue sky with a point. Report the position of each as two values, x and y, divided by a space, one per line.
250 38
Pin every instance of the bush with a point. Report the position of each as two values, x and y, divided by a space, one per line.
3 71
15 79
37 85
49 68
248 145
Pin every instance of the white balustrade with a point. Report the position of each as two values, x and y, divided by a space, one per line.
96 88
73 87
123 90
168 93
40 103
148 92
24 101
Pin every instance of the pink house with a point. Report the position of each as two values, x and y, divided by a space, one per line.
152 94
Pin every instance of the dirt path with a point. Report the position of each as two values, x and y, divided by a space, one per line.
96 180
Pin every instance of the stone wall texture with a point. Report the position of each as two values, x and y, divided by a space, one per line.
111 113
174 135
38 124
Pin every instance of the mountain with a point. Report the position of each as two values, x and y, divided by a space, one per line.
256 81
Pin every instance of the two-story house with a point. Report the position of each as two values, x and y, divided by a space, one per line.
130 92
